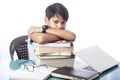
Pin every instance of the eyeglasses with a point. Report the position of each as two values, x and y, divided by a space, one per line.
30 67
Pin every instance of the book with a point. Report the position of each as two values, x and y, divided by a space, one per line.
41 73
56 54
56 62
53 56
53 50
55 44
75 74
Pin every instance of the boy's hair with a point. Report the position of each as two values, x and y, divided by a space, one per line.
57 8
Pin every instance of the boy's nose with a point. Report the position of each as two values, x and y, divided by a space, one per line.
60 26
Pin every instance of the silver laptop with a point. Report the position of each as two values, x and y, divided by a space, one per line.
96 58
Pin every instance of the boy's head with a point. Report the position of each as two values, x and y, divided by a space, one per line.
57 8
56 16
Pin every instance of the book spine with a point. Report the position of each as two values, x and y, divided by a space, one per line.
40 50
66 77
56 62
54 44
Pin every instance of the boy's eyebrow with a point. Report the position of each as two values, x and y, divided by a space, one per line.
58 20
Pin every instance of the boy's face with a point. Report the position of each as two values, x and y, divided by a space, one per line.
56 22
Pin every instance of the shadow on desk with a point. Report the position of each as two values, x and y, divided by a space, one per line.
111 74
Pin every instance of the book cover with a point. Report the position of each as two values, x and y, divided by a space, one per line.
55 44
56 62
20 75
41 73
53 56
56 54
75 74
55 50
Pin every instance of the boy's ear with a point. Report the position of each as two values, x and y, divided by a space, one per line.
46 20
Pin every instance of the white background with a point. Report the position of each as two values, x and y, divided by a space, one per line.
95 22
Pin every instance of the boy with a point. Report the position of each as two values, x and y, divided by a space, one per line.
54 30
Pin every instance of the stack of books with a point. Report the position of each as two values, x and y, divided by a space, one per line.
55 54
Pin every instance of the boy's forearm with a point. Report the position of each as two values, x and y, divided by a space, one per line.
35 33
63 34
44 37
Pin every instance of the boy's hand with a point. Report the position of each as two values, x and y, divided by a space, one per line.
61 41
34 29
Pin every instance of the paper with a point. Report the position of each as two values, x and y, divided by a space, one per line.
40 73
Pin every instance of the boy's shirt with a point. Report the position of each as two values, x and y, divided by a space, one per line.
31 49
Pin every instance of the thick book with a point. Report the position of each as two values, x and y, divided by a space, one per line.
53 56
75 74
55 44
56 62
53 50
56 54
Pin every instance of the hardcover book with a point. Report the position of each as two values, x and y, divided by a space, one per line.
56 62
53 50
53 56
75 74
55 44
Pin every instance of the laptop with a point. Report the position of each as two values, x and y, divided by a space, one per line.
96 58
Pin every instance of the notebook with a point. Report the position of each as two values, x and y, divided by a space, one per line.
75 74
28 70
96 58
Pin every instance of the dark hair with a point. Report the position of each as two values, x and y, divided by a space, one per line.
57 8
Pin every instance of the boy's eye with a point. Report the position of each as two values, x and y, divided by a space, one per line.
56 22
63 22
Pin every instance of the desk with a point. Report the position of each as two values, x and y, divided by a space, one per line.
112 74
